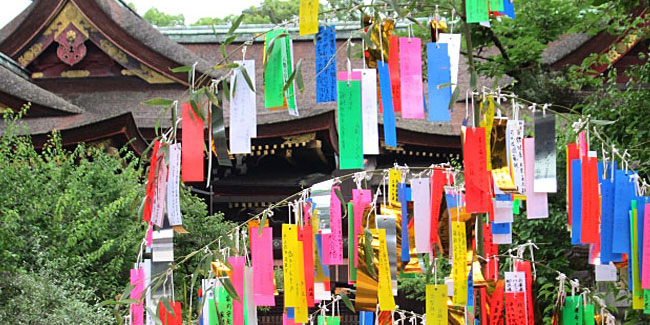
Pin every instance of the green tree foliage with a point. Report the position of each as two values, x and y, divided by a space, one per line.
72 227
160 19
268 12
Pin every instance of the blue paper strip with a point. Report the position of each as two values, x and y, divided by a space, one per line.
576 201
390 133
509 9
607 220
439 74
470 287
366 318
503 197
624 193
404 195
500 228
325 64
291 313
319 247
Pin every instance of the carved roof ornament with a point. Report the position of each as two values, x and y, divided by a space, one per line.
71 48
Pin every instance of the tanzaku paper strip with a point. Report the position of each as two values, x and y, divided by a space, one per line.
349 116
326 64
369 111
410 60
390 132
438 67
192 148
308 17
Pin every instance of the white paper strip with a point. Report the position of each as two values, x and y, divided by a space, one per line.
515 150
502 239
606 273
163 246
515 281
158 206
208 286
320 293
369 111
173 183
251 309
295 88
503 215
453 48
243 112
420 193
146 266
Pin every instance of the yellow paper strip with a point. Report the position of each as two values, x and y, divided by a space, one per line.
294 278
394 177
436 304
459 265
385 290
308 17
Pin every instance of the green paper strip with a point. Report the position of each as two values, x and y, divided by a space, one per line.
496 5
637 292
515 206
329 320
274 74
572 311
477 11
646 301
212 312
350 137
590 315
225 305
351 239
243 299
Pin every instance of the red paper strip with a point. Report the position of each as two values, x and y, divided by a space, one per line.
166 316
306 236
437 185
484 301
590 201
583 146
515 308
262 260
237 278
360 199
524 266
393 67
572 153
192 148
477 183
148 203
496 304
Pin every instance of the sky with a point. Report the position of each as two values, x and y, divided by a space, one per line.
191 9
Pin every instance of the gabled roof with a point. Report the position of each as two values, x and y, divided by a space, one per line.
124 29
16 90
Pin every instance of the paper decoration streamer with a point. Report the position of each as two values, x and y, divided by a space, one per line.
590 200
262 260
193 141
158 208
420 188
325 64
308 17
333 242
394 67
453 42
237 278
173 183
436 304
369 111
148 203
477 11
477 183
388 223
243 110
385 290
545 157
459 263
349 113
439 79
624 192
536 202
410 60
390 132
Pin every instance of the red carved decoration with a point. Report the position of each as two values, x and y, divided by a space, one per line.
71 48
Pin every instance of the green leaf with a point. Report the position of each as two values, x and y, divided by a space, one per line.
185 68
235 24
347 302
602 122
159 102
226 89
454 98
168 306
369 252
440 86
289 82
262 222
194 103
213 99
229 288
225 66
117 302
299 80
270 47
222 48
126 292
415 21
338 193
247 78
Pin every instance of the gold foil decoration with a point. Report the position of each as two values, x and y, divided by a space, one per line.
487 122
366 296
501 172
413 266
373 50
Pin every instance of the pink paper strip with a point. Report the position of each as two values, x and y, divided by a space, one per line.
361 199
536 203
410 59
137 310
237 278
149 237
646 248
306 212
333 242
262 259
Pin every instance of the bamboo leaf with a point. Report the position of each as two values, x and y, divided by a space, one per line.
263 222
289 82
341 199
230 40
269 49
168 306
185 68
194 103
299 80
126 292
225 66
454 98
212 98
602 122
156 319
235 24
347 302
369 253
229 288
159 102
415 21
244 72
226 89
